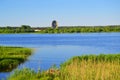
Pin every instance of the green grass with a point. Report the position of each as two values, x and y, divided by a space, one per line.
11 57
86 67
95 58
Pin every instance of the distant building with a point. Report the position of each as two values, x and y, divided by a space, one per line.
54 24
36 30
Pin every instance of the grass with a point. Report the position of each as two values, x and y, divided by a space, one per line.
92 67
86 67
11 57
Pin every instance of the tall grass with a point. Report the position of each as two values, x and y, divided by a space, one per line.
11 57
95 58
87 67
92 67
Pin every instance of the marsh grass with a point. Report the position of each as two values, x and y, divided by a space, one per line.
86 67
92 67
11 57
88 70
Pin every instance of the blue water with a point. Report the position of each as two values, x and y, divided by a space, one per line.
52 49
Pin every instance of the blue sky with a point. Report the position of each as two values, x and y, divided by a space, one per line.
40 13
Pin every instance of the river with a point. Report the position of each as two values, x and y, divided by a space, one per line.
50 49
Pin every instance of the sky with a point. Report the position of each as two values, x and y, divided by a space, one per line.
40 13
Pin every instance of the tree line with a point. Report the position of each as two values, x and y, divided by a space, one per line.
63 29
22 29
82 29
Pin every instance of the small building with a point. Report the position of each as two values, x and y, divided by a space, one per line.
54 24
36 30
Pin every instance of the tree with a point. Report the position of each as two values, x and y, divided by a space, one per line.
54 24
26 27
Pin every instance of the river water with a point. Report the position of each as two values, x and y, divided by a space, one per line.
50 49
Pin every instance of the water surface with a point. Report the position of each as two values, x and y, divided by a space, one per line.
52 49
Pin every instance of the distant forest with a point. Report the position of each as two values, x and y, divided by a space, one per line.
62 29
22 29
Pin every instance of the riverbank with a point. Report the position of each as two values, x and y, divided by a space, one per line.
87 67
11 57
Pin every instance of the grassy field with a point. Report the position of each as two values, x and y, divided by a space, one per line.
87 67
11 57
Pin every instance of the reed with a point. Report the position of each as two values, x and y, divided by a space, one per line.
86 67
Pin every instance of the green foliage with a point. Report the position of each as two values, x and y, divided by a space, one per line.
64 29
82 29
22 29
29 74
11 57
8 64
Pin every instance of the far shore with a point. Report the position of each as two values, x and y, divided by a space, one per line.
63 29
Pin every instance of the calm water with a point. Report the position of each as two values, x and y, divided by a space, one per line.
52 49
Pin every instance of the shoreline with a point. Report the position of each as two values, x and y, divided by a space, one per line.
79 67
